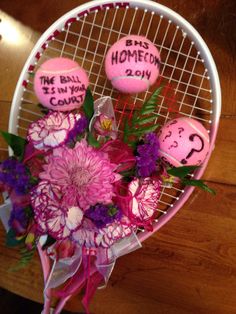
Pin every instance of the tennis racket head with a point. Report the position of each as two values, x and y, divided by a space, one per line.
188 73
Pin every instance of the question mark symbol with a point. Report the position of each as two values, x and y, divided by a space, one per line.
172 122
191 138
174 146
168 135
180 131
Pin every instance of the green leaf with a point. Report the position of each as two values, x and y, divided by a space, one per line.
34 180
148 110
16 143
92 140
134 118
200 184
112 211
11 240
25 258
135 127
143 130
150 105
88 104
181 172
146 120
128 173
29 212
133 145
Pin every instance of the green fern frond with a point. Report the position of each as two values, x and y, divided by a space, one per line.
140 123
26 257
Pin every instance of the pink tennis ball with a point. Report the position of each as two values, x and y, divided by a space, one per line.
60 84
183 141
132 64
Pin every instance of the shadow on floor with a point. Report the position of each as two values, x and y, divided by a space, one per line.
13 304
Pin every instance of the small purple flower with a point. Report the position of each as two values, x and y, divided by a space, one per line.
147 155
101 215
18 220
15 176
80 126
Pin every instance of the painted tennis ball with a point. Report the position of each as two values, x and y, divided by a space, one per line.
60 84
132 64
183 142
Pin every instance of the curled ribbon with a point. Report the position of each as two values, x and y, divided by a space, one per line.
100 260
106 258
63 269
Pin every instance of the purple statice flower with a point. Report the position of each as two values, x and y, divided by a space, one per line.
18 220
148 153
101 215
80 126
14 175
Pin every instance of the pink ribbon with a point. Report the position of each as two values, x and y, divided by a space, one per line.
95 268
63 268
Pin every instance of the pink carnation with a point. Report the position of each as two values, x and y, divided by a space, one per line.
52 214
52 130
86 235
85 174
145 195
114 232
91 237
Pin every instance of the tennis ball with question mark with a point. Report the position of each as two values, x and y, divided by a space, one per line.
183 142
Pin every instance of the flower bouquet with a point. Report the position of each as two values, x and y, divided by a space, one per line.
81 191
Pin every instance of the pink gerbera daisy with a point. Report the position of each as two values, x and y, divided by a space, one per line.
85 174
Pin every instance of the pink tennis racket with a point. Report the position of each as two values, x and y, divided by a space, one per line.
188 75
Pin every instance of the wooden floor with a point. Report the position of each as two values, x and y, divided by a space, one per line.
189 266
